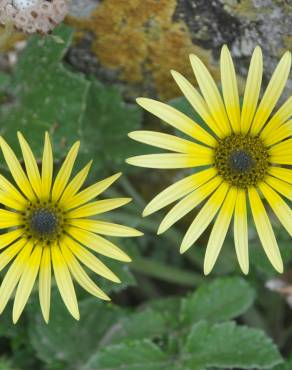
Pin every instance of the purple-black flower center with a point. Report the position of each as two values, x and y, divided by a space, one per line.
241 160
44 222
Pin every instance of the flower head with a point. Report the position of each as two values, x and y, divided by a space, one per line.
49 226
243 157
33 16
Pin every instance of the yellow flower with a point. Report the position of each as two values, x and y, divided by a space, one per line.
48 225
243 156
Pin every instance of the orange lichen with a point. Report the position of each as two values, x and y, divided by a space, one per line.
140 38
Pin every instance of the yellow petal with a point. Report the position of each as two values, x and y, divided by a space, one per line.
98 207
178 190
45 283
75 184
64 173
281 148
272 93
16 170
229 89
280 186
285 159
170 160
9 219
197 102
89 260
26 282
47 168
265 230
280 208
11 252
91 192
12 192
282 173
211 94
204 217
104 228
9 201
252 89
177 119
98 244
281 116
281 153
219 230
241 231
30 165
13 275
80 275
64 282
188 203
169 142
9 237
281 133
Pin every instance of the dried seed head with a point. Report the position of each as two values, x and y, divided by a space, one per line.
23 4
32 16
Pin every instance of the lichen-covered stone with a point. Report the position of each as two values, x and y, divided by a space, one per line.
136 42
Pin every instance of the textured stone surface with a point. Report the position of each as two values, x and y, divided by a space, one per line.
136 43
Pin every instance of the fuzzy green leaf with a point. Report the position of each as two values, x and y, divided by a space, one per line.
107 121
45 95
67 341
137 355
229 346
216 301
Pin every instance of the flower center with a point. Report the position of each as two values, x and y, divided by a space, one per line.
44 222
241 160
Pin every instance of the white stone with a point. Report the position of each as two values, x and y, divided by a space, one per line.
24 4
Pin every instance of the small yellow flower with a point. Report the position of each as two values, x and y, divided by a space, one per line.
48 225
245 154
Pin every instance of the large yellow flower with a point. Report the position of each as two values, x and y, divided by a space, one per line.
243 155
47 224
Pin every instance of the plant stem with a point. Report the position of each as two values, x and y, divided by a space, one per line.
129 188
164 272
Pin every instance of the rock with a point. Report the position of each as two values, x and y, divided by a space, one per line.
135 43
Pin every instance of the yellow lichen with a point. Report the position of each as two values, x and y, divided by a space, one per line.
8 39
140 39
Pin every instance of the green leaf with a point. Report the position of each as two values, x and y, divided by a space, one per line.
107 121
141 325
45 96
66 341
229 346
6 364
122 270
287 365
137 355
220 300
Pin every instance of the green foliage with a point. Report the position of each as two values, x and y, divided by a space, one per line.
6 364
107 121
45 95
228 345
138 355
157 335
221 300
